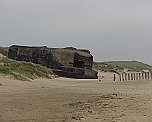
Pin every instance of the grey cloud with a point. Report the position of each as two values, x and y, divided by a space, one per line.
111 29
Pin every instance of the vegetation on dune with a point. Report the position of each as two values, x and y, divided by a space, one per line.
118 66
102 66
4 51
24 70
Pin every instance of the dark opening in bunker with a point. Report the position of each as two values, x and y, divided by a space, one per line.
78 63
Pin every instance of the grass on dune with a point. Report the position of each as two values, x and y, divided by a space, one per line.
119 66
24 70
4 51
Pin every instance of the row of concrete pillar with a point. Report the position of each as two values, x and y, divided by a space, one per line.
135 76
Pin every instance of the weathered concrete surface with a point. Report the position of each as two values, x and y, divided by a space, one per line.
68 62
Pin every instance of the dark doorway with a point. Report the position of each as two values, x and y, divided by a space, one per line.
78 63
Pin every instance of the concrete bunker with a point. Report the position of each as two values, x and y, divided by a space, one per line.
66 62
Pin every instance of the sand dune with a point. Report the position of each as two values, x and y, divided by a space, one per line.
1 56
74 100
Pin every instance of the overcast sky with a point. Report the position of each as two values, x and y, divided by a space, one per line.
110 29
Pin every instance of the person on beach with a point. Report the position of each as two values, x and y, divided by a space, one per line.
114 77
99 75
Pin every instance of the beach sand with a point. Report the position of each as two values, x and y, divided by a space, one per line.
75 100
